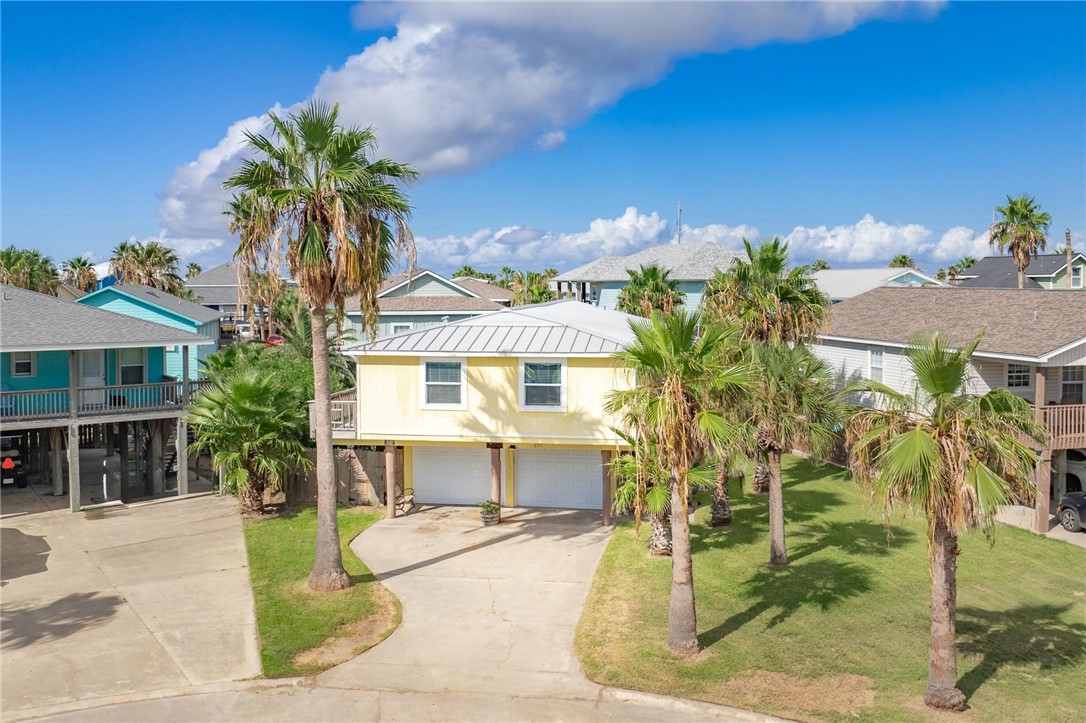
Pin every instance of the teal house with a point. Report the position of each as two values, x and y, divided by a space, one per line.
149 304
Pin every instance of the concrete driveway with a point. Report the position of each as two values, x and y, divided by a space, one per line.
484 608
131 601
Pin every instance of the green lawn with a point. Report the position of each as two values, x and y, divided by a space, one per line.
291 618
842 633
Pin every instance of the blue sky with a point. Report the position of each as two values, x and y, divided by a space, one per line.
550 135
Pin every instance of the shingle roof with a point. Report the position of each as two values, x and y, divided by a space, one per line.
846 283
999 279
218 295
1043 265
686 262
484 289
35 322
221 275
391 304
556 328
1019 322
169 302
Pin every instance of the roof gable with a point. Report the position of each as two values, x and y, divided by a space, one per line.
166 303
221 275
422 281
684 262
36 322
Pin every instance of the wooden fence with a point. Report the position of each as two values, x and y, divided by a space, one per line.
360 478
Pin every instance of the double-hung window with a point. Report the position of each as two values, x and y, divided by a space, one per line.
1019 376
443 384
22 364
874 365
543 386
1074 381
132 366
1076 276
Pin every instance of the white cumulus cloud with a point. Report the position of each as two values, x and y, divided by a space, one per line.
867 240
961 241
457 85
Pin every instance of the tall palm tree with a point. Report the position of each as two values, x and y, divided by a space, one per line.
650 288
902 261
193 270
792 404
146 263
1022 230
952 454
315 195
505 279
251 426
820 265
772 304
673 361
28 269
80 273
530 287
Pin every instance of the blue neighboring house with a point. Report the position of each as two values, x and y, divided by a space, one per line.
149 304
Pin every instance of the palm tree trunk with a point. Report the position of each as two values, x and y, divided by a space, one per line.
328 573
1021 278
252 496
761 477
682 624
660 540
778 555
722 506
943 662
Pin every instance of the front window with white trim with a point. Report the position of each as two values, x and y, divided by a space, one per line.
1074 385
1019 376
543 385
1076 276
874 365
443 384
22 364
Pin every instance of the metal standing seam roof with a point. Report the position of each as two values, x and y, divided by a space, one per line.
684 261
30 321
556 328
1030 323
162 300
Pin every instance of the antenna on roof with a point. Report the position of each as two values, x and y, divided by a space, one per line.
679 224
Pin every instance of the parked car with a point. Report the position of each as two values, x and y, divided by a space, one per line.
244 332
12 471
274 340
1076 471
1071 511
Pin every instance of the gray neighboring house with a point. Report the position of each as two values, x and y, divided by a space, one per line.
422 299
691 264
1047 271
841 284
218 289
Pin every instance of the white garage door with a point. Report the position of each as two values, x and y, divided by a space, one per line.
556 478
451 475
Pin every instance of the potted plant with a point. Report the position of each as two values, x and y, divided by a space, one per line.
490 512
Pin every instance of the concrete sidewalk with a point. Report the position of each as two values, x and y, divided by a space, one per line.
132 600
1025 517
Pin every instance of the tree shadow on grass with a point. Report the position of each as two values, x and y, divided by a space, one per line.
821 583
1025 635
859 538
751 515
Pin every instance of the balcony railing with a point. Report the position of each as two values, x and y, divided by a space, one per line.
44 404
344 408
1066 423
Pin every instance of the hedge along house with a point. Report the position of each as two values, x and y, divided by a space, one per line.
150 304
505 406
690 264
72 370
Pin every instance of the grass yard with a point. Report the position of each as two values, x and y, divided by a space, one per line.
842 633
290 618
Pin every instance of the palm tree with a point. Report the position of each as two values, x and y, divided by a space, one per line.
771 303
820 265
650 289
530 287
792 404
676 375
941 274
1021 230
315 196
505 280
193 270
952 454
28 269
80 273
902 261
965 263
251 427
146 263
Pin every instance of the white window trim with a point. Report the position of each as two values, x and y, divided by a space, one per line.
1064 384
1079 277
1007 375
33 364
143 357
882 367
520 384
392 327
463 382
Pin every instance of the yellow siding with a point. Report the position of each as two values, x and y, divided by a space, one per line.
390 405
510 477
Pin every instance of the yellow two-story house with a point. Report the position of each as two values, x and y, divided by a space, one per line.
508 405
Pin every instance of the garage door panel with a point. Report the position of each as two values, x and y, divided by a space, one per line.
450 475
558 478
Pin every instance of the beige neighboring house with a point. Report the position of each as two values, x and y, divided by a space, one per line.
1034 346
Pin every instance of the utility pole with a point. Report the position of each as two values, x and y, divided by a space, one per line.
1067 240
679 224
